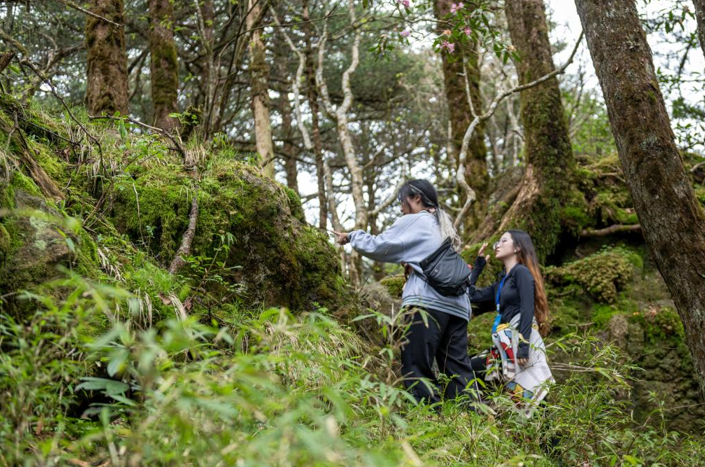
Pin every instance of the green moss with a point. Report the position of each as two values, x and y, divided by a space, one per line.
700 193
601 314
601 274
661 325
54 167
22 182
565 314
275 256
295 206
394 285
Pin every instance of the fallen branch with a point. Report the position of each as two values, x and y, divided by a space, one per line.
610 230
187 240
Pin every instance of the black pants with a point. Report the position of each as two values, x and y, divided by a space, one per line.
445 339
479 366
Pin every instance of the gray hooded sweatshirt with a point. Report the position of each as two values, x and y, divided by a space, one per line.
411 239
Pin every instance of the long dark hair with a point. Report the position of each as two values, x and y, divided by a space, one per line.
429 199
527 257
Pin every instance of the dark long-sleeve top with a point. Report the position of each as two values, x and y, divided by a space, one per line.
516 297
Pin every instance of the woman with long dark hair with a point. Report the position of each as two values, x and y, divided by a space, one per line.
442 332
518 355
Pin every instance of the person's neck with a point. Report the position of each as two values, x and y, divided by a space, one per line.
510 262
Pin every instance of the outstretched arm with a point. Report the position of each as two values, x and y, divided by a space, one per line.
387 247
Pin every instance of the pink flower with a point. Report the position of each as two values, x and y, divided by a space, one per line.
405 33
455 7
449 46
406 3
468 31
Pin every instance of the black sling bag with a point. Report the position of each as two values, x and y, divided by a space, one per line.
446 271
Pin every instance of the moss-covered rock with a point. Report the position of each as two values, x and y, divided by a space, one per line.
394 285
36 239
602 274
272 253
655 341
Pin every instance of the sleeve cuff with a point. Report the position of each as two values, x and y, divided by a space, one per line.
351 235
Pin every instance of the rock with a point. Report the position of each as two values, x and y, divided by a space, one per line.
33 244
618 328
251 225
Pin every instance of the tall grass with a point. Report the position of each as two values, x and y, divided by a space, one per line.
271 389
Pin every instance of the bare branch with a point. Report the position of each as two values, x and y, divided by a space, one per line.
610 230
393 195
296 84
70 4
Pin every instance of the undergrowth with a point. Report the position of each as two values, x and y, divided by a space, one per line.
271 388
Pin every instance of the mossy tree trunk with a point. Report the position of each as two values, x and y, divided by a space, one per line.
547 152
673 223
106 84
164 65
700 18
259 88
454 75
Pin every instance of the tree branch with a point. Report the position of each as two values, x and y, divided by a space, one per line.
478 119
70 4
610 230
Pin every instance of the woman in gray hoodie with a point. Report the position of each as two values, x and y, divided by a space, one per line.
443 336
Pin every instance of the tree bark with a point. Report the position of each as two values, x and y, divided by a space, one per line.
259 85
547 152
454 75
107 80
164 64
700 19
312 95
207 82
672 221
288 149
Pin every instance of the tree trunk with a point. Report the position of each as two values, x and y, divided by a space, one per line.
260 89
164 65
700 18
672 221
547 153
107 81
454 73
312 96
207 83
288 149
